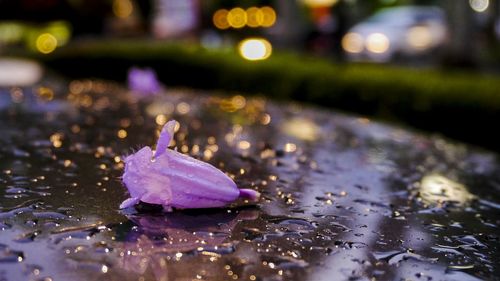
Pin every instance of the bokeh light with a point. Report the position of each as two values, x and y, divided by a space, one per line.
255 49
183 108
319 3
377 43
61 30
419 37
45 93
301 128
161 119
244 144
220 19
237 17
435 188
122 133
56 140
122 8
352 43
19 72
46 43
269 16
233 104
255 17
479 5
10 32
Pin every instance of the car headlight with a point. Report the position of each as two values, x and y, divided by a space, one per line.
352 43
377 43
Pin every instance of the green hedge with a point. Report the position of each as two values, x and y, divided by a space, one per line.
456 104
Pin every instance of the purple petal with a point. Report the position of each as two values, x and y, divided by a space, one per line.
129 202
166 136
249 194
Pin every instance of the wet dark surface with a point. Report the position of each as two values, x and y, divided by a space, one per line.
344 198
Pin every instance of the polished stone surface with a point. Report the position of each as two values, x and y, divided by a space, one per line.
344 198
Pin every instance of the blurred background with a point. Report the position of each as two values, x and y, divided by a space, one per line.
432 65
462 33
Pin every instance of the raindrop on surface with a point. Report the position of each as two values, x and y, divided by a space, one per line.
471 241
285 262
9 256
447 250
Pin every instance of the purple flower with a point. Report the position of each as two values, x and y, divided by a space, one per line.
175 180
143 81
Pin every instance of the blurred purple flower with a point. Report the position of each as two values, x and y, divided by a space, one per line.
143 81
175 180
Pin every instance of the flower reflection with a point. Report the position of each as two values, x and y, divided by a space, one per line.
156 239
435 188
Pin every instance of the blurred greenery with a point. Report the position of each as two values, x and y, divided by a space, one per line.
460 105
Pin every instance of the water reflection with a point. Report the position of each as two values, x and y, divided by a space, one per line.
437 189
301 128
155 240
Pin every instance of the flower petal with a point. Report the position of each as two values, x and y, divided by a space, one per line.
249 194
129 202
166 136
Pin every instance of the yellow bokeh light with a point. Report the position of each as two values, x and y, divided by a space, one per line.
161 119
46 43
290 147
238 101
233 104
255 17
122 8
269 16
265 119
319 3
61 30
45 93
237 18
255 49
352 43
220 19
244 145
419 37
302 128
122 133
377 43
183 108
56 140
479 5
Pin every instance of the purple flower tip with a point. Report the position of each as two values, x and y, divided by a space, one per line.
250 194
175 180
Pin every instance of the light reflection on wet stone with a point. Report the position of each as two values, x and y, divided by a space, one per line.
342 196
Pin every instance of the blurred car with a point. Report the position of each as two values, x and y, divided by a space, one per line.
407 31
